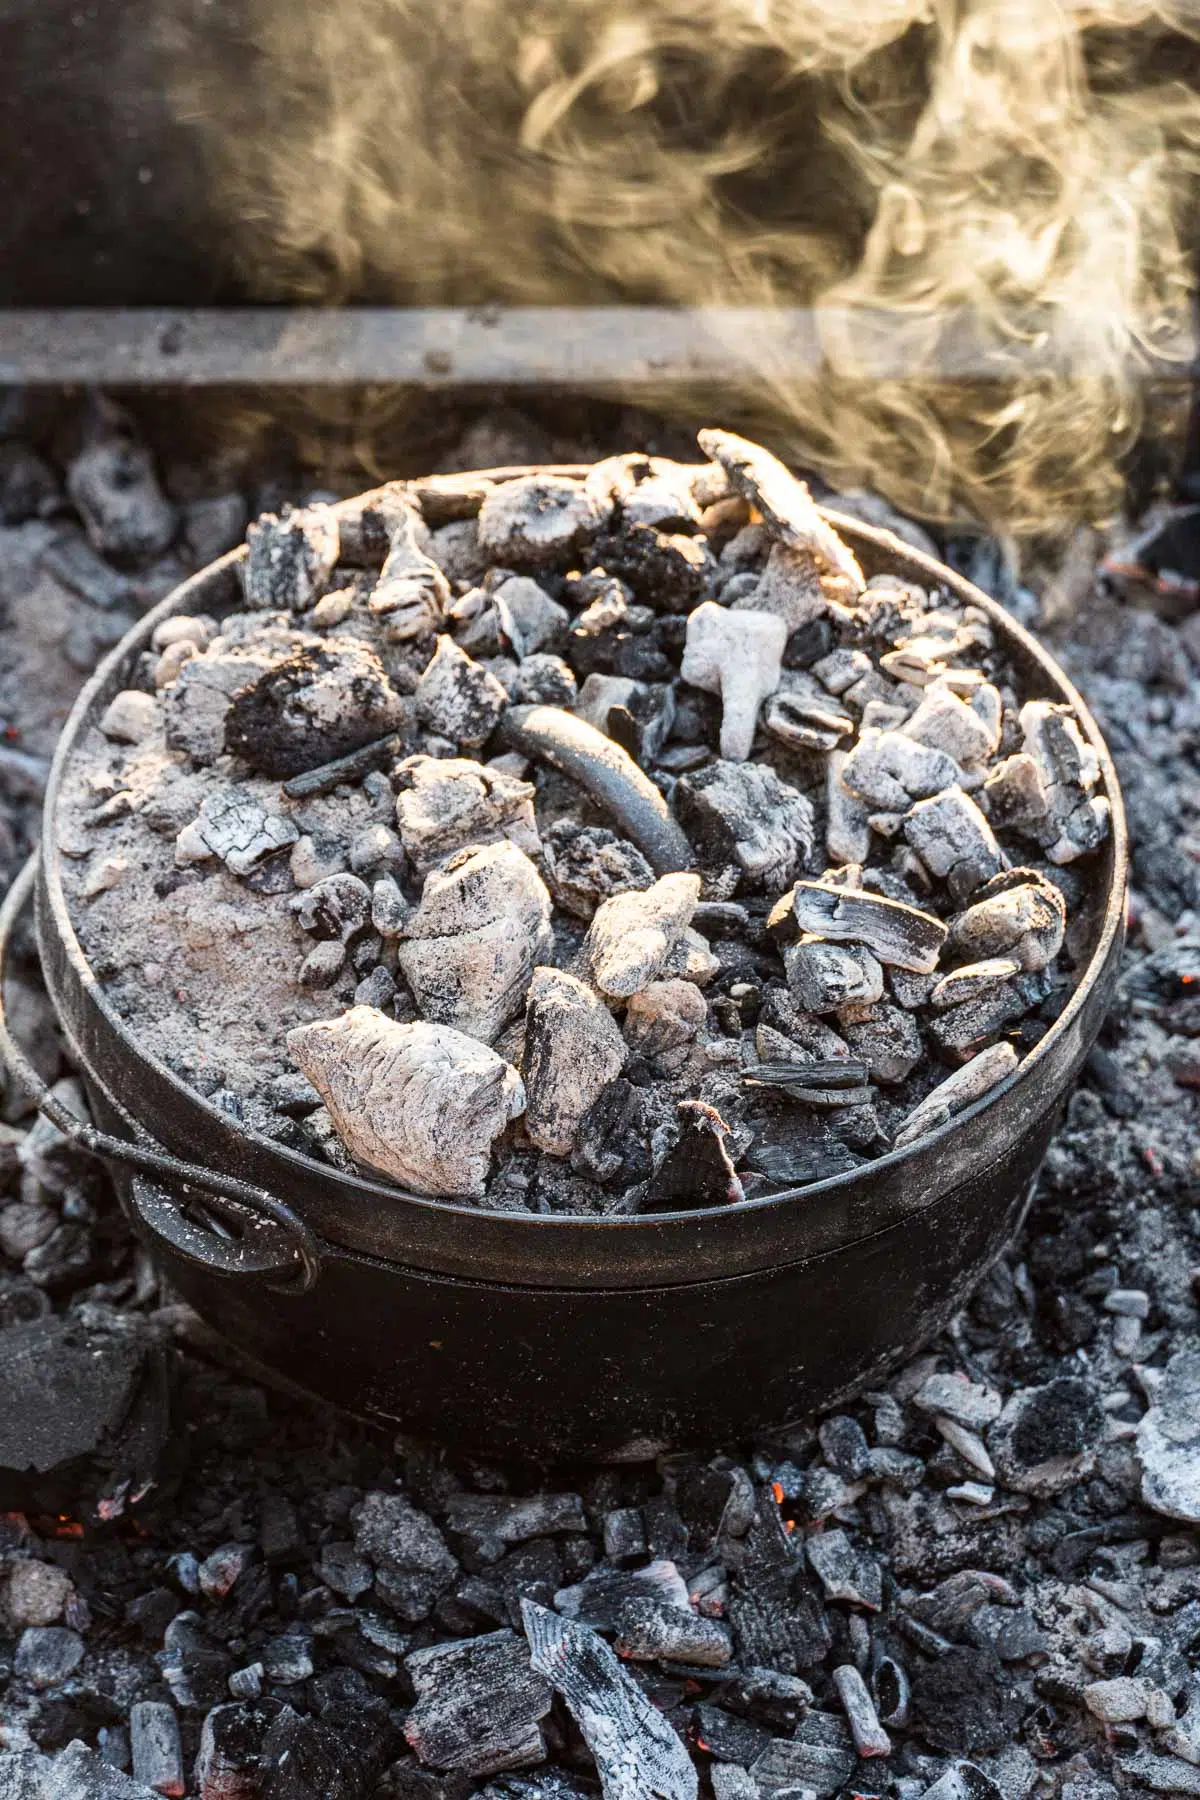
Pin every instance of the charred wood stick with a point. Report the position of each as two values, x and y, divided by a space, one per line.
610 775
351 767
834 1072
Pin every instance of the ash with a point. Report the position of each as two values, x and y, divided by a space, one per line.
982 1580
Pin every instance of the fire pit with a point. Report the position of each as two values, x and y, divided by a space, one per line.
606 1335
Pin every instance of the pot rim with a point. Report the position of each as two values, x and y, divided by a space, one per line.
572 1231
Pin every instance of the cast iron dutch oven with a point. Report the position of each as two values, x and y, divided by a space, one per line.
565 1337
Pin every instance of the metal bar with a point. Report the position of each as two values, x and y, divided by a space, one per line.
591 348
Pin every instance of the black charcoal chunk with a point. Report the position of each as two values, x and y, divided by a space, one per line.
491 1523
412 1564
742 813
803 722
86 1410
870 1739
954 841
458 698
624 1534
336 1756
73 562
822 977
479 1705
537 520
1046 1438
667 570
801 1152
776 1701
712 1501
1020 914
279 1535
115 489
966 1702
1168 1441
777 1620
966 1781
820 1757
636 714
155 1747
838 1083
337 909
886 1038
602 1594
312 708
636 1751
888 771
28 485
728 1738
194 1665
350 768
698 1171
809 643
844 1444
74 1773
47 1655
963 1031
846 1572
549 1783
229 1765
545 680
613 1140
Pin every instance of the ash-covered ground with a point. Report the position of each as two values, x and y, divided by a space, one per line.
986 1578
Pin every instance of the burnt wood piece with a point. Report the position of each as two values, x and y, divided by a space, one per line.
778 1622
636 1751
839 1081
479 1705
785 503
698 1171
902 936
322 780
609 775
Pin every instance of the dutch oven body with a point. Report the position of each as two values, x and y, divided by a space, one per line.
565 1338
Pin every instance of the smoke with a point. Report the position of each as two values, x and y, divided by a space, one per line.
1015 174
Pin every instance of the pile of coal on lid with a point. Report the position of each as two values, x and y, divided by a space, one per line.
593 843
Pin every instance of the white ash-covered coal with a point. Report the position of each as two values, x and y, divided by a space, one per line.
590 843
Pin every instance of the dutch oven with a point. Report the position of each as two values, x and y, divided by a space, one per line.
564 1337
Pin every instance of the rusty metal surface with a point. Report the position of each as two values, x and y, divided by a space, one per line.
582 348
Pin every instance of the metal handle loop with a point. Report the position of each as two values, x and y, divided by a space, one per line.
241 1196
